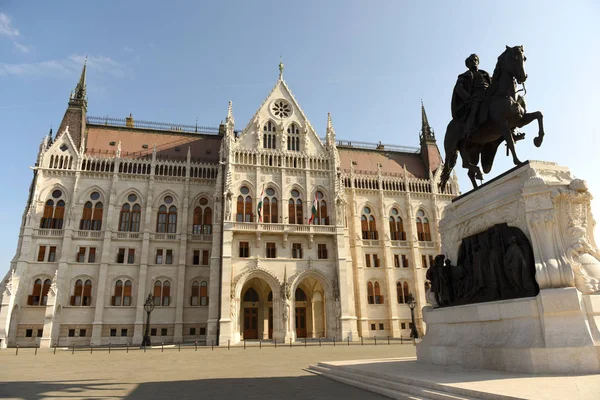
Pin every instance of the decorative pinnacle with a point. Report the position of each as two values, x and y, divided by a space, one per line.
426 131
281 67
80 89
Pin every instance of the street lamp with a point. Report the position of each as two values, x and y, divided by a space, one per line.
412 304
148 307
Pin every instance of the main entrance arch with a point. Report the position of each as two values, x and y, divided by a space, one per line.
314 314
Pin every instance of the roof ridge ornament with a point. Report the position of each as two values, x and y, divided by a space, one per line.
281 67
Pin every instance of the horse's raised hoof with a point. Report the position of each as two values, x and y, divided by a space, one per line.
538 141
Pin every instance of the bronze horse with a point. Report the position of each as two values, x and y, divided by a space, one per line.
504 113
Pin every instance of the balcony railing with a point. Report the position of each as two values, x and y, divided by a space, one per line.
283 228
88 234
127 235
200 238
165 236
48 232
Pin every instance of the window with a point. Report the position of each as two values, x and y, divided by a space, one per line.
269 136
380 327
92 255
424 261
368 226
271 252
370 298
404 261
244 250
378 296
296 250
423 231
163 331
403 325
192 331
82 332
199 294
319 210
396 226
402 292
368 260
244 206
120 256
376 263
396 261
293 139
81 255
268 212
169 258
123 332
162 293
159 256
202 218
54 211
322 251
372 327
91 218
295 213
28 332
129 218
153 332
122 295
82 294
196 257
39 295
52 254
71 332
41 253
113 332
166 221
202 331
131 256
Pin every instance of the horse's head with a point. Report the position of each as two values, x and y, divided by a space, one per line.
513 60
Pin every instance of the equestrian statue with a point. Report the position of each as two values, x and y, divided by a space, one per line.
486 111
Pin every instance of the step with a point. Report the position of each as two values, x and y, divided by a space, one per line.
401 390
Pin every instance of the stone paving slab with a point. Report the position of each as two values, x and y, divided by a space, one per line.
542 387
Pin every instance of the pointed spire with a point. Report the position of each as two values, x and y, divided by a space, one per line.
230 119
329 132
80 89
50 134
426 131
281 67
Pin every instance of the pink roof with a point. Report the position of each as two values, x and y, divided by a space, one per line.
170 145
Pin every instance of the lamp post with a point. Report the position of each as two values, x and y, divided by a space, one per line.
412 304
148 307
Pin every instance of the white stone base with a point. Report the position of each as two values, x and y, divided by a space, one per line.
555 332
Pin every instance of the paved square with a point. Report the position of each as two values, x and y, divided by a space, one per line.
254 373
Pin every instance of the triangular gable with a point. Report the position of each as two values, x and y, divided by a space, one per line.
248 138
63 146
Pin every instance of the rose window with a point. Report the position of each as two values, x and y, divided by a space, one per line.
281 109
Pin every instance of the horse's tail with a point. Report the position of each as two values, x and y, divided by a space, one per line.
449 164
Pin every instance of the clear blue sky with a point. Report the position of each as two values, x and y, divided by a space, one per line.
369 63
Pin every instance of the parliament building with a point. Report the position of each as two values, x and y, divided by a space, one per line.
272 231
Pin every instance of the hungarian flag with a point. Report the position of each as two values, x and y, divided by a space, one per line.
260 203
314 210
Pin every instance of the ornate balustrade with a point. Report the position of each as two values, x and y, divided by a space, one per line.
284 228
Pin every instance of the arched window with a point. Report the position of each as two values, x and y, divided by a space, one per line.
202 218
82 293
269 207
403 292
423 230
91 218
39 294
172 220
295 213
269 130
406 292
396 226
399 295
368 226
162 293
195 293
244 206
300 295
199 294
370 294
321 218
378 295
54 211
293 139
129 218
251 296
122 295
203 293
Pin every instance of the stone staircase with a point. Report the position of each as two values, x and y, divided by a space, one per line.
396 387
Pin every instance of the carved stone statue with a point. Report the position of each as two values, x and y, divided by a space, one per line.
501 112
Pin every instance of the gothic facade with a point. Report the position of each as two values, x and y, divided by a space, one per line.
267 232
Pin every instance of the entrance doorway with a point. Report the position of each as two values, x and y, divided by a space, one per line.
301 322
250 323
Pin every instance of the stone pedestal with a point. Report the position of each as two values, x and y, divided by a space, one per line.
558 330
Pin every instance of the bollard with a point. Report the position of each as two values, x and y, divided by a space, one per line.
319 342
349 340
162 347
17 352
179 348
361 341
275 342
388 340
144 347
334 341
73 352
375 340
244 343
128 347
54 348
290 343
196 345
401 340
212 344
259 344
108 347
36 347
91 348
304 341
227 344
